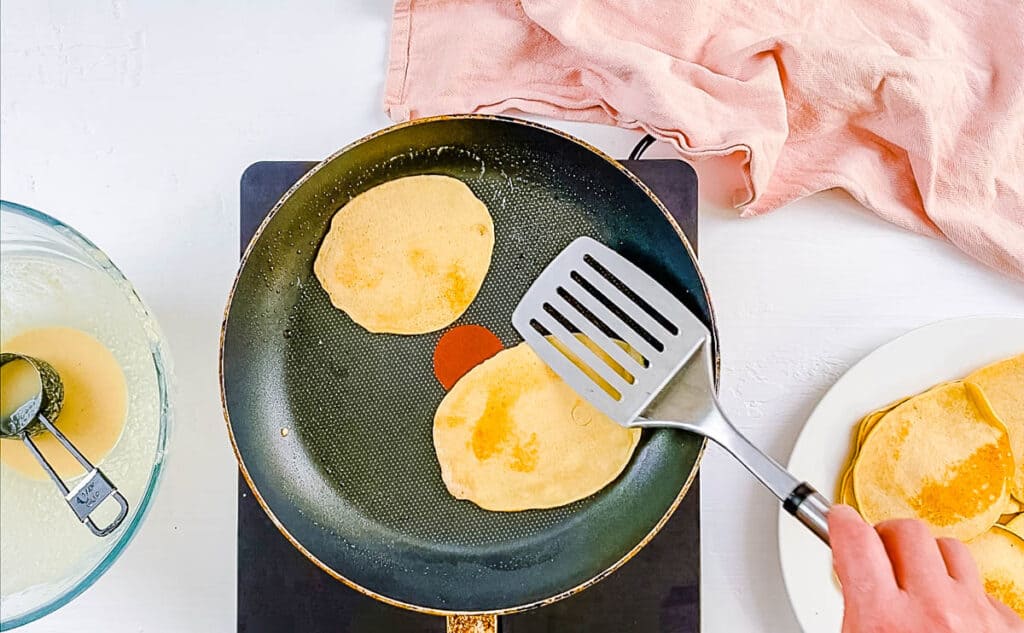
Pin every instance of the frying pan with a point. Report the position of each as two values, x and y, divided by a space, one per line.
332 425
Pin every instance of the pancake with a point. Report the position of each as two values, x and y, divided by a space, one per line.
1000 557
408 256
512 435
1016 525
942 457
1003 385
843 489
844 492
868 422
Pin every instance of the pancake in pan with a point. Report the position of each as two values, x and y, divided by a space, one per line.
407 256
511 435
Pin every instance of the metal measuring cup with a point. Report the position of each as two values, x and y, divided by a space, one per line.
35 416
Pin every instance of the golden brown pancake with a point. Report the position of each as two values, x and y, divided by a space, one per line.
941 457
512 435
1016 525
408 256
1003 385
868 422
844 492
999 553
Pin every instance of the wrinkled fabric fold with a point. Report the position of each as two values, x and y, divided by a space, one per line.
915 108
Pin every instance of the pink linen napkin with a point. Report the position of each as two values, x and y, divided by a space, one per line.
915 107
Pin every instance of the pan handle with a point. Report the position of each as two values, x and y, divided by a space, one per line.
486 623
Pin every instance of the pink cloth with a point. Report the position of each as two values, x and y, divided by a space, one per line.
915 107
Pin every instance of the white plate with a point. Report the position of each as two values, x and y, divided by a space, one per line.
907 365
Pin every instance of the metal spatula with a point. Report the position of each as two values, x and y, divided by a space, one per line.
638 355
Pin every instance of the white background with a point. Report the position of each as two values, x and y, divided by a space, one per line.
133 121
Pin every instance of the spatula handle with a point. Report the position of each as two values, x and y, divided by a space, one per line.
689 402
810 508
798 498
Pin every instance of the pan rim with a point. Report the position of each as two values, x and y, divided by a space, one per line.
298 545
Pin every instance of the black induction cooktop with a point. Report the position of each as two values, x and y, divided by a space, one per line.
280 591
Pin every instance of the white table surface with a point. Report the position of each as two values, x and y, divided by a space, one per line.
133 121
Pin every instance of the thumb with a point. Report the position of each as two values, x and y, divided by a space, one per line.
858 554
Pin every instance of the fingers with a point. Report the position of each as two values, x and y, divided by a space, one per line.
960 564
858 554
913 552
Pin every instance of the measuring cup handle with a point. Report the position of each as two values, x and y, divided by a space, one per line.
116 521
90 493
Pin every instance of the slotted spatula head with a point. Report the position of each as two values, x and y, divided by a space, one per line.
618 338
613 333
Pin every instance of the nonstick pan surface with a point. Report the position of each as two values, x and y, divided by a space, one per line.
332 424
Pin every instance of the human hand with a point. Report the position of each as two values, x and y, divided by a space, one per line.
897 578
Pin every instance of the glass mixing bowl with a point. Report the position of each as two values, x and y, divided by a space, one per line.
50 275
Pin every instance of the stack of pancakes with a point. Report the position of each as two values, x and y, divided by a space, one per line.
953 457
